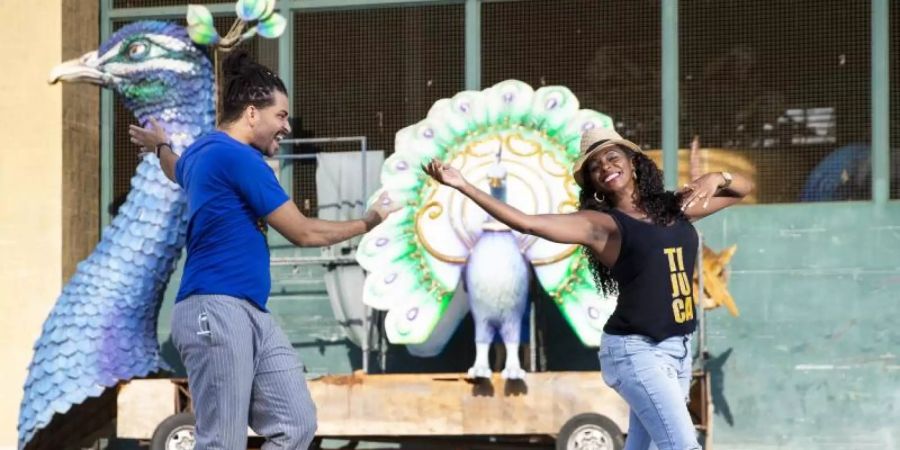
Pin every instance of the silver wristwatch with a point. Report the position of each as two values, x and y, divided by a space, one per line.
727 176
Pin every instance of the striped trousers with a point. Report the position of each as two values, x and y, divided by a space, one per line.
242 371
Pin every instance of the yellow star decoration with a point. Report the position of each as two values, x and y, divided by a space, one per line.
715 279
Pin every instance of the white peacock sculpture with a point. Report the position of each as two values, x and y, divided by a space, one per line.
519 145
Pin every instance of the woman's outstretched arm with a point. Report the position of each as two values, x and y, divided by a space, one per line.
589 228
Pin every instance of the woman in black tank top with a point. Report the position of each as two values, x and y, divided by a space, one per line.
643 247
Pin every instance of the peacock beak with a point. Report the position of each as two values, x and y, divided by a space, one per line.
80 70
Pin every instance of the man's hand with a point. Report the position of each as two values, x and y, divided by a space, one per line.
148 138
379 210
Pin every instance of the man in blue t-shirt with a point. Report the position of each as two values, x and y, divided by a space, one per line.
242 370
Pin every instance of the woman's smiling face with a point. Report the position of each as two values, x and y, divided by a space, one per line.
611 170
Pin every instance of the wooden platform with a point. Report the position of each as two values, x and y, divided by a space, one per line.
409 404
450 405
422 405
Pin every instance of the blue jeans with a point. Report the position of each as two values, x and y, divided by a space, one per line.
654 378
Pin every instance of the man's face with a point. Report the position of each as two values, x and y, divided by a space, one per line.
270 125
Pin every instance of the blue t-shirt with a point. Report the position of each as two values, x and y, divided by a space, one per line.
230 189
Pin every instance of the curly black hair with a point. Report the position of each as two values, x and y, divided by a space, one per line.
246 83
650 197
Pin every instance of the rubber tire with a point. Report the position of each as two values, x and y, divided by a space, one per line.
167 426
568 430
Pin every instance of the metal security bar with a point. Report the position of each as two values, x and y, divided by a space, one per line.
331 260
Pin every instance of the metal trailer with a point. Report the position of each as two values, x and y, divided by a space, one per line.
568 410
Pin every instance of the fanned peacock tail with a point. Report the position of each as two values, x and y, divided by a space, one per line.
415 258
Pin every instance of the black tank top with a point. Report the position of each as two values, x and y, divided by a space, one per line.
655 273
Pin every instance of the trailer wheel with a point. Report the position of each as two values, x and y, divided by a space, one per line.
590 432
176 432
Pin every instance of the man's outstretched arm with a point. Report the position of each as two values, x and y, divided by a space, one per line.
310 232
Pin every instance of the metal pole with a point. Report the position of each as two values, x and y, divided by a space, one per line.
532 338
365 177
365 340
367 311
106 128
700 306
324 140
473 45
881 152
670 98
382 344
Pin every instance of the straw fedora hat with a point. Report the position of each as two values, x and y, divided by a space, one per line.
592 142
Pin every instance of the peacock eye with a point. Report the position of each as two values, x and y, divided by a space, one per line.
138 50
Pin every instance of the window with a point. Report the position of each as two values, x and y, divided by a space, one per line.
606 53
370 73
780 90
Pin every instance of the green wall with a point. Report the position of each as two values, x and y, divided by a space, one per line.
812 362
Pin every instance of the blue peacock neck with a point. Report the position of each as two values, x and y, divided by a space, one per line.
185 111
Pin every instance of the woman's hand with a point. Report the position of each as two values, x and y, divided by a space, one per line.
148 138
445 174
701 190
